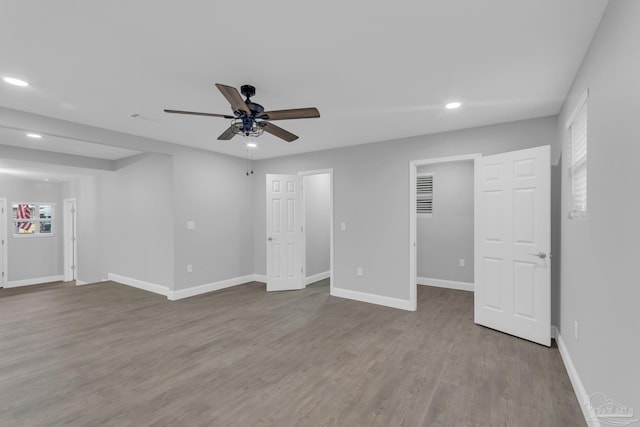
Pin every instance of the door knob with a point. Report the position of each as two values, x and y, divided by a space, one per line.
270 239
540 255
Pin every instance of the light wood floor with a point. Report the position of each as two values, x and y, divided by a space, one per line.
108 354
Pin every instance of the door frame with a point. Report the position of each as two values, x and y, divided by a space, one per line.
413 228
5 256
303 240
70 231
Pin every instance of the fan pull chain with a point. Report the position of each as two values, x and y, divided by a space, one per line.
249 163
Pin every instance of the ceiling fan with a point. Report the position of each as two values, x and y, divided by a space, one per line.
249 118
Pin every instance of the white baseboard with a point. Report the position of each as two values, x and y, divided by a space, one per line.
262 278
140 284
450 284
317 277
210 287
81 283
578 387
372 299
34 281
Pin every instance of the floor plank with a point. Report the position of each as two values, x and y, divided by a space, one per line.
107 354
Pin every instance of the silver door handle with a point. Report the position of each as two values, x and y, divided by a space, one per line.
270 239
540 255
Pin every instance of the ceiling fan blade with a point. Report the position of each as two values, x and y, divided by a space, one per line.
227 134
234 98
195 113
278 131
296 113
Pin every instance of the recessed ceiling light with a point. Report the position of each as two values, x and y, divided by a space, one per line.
252 144
452 105
34 135
46 180
15 82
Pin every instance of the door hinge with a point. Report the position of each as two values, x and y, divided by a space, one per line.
73 267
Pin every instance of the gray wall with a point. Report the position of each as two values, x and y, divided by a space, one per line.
33 257
212 190
317 194
371 195
132 221
447 236
125 221
600 255
136 216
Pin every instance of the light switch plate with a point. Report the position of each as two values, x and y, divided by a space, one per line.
191 225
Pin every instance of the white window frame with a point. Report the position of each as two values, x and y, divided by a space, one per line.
35 221
579 117
423 196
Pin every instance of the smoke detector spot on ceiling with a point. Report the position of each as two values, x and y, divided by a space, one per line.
141 117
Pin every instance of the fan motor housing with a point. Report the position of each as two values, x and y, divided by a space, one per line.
249 91
255 108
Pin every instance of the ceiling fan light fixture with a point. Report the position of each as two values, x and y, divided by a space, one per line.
453 105
246 126
249 118
15 81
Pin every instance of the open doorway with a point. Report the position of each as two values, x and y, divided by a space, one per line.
444 233
286 239
316 228
441 223
511 227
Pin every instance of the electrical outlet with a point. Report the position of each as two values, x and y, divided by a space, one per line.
343 226
191 225
575 330
461 262
189 268
359 272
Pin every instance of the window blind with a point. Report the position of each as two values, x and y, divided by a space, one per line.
578 165
424 194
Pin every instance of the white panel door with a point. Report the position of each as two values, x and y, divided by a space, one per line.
513 239
284 266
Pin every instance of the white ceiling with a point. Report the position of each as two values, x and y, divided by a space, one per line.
375 70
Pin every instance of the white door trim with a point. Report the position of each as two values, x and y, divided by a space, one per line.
5 257
70 247
413 172
304 226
